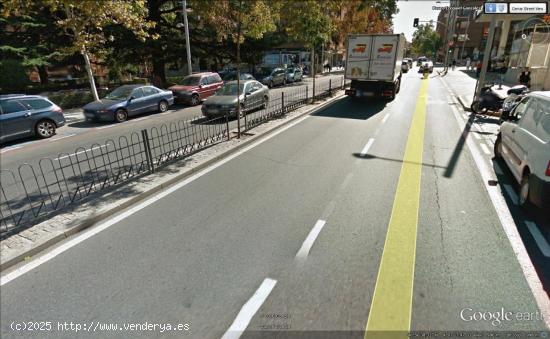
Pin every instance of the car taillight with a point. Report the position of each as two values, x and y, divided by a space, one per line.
548 169
57 109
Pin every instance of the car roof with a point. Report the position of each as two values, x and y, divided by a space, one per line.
13 96
242 81
541 94
203 73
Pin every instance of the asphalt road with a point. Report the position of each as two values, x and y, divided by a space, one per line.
297 234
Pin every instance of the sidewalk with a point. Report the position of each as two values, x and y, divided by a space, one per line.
463 84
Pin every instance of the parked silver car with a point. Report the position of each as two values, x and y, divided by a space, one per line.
253 95
294 74
272 76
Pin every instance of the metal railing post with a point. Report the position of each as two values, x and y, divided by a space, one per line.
227 126
330 87
282 103
148 153
307 92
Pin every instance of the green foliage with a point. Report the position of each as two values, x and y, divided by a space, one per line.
309 22
426 41
13 77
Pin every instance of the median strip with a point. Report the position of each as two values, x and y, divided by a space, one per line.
392 300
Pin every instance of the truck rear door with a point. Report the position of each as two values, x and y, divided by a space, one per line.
384 54
358 58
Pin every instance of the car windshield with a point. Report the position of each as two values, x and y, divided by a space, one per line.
191 81
120 93
229 89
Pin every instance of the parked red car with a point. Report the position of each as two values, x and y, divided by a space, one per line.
196 87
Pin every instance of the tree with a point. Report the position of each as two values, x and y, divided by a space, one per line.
84 22
236 20
310 23
426 41
33 39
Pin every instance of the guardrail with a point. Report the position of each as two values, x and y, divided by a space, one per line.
32 193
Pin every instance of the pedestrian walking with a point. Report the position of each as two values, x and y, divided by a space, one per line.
478 69
468 63
524 77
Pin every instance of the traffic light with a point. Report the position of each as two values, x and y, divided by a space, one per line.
415 22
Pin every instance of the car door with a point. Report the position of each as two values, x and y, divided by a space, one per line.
257 94
138 103
513 151
151 99
203 88
15 119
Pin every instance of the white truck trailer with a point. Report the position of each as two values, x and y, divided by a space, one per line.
373 64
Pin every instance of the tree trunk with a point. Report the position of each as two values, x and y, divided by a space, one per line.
90 74
159 73
43 73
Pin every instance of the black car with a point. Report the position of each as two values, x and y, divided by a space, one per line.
28 115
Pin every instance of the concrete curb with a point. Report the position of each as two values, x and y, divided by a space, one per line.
142 196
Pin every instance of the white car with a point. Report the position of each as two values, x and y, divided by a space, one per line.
405 66
426 65
524 145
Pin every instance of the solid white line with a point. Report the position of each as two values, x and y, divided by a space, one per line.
139 119
308 243
109 222
103 127
63 137
385 118
484 148
510 229
249 309
80 152
10 149
367 146
511 193
539 238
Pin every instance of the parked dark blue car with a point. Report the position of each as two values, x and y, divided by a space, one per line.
28 115
129 100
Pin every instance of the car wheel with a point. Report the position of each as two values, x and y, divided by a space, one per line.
195 100
476 107
121 115
45 129
524 190
270 84
265 103
284 82
498 148
163 106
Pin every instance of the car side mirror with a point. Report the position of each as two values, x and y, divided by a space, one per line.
131 98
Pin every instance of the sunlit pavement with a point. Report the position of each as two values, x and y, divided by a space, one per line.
363 215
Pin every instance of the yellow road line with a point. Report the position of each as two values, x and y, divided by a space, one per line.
392 300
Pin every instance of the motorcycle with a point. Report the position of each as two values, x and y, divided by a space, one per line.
515 95
492 99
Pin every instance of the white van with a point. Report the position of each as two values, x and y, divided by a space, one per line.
524 145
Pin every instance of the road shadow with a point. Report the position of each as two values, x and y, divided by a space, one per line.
370 156
349 108
459 147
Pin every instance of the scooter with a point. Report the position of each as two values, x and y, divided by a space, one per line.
492 97
515 95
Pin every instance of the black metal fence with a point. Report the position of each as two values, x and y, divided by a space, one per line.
33 192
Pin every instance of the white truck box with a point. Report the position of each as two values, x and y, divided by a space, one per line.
374 61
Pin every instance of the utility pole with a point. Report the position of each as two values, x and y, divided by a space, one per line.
486 57
187 42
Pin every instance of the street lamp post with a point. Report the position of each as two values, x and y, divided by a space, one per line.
187 42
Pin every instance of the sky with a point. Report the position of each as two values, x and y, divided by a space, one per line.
408 10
